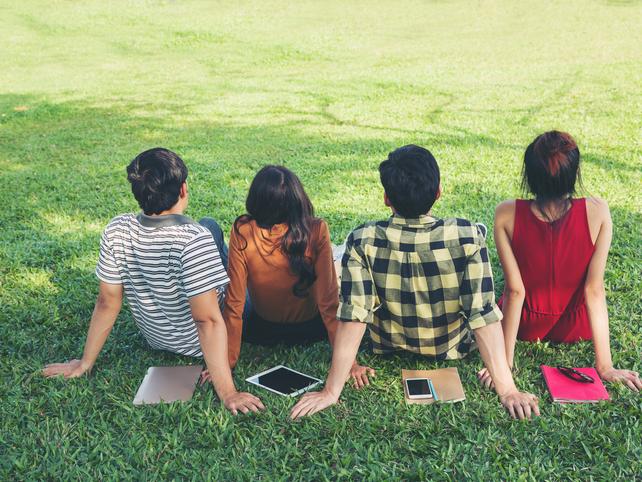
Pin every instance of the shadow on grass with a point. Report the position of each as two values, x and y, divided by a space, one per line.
607 163
65 165
71 158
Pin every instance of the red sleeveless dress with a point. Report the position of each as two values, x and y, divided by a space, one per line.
553 260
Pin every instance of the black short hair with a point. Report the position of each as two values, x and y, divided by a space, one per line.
410 177
156 176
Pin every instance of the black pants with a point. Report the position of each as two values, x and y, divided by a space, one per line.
262 332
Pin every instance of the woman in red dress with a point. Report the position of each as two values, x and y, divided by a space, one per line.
553 251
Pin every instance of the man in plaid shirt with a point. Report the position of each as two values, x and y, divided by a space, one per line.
420 284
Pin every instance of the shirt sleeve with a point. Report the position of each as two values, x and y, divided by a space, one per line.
358 298
477 292
235 297
325 289
202 268
107 268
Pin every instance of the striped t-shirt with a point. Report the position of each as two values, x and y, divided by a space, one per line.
162 261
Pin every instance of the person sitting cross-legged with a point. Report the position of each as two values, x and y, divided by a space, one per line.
171 272
421 284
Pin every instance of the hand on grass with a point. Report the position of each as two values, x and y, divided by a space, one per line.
628 377
243 402
360 374
312 403
485 379
205 377
70 369
520 405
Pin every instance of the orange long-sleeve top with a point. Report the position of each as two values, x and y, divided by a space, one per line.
257 264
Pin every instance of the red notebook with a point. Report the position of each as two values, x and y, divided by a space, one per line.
566 390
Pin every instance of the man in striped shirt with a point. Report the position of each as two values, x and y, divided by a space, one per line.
172 272
421 284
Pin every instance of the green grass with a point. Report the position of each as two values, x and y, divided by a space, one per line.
328 89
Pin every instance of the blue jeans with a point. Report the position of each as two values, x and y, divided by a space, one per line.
217 234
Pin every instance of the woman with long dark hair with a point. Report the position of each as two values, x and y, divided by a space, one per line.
553 250
281 255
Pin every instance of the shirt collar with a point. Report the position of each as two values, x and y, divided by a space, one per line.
163 221
419 222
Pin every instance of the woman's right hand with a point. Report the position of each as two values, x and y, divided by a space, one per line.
70 369
360 374
520 405
485 379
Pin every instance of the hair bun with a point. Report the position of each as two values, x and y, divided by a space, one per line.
556 160
554 148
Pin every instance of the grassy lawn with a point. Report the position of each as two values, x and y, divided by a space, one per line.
328 89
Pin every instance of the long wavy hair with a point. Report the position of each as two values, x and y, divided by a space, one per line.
276 196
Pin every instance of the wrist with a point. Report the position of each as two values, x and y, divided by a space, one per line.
225 392
603 368
334 394
505 389
86 365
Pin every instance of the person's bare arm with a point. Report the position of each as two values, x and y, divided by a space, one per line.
595 294
346 345
108 304
325 292
477 302
357 304
513 288
212 334
490 341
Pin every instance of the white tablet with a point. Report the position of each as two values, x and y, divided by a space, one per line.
284 381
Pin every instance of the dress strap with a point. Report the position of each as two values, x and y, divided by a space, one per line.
522 208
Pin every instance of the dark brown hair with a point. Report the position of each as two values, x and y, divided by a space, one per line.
277 196
156 176
551 168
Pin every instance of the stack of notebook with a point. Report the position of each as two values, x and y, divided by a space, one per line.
566 390
445 381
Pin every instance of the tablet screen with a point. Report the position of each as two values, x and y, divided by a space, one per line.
285 380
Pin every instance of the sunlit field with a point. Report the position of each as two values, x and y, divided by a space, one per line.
328 89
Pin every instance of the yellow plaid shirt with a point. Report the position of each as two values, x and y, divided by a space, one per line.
422 285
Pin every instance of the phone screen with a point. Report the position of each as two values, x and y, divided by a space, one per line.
418 386
285 381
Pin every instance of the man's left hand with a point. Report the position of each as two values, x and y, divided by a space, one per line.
312 403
